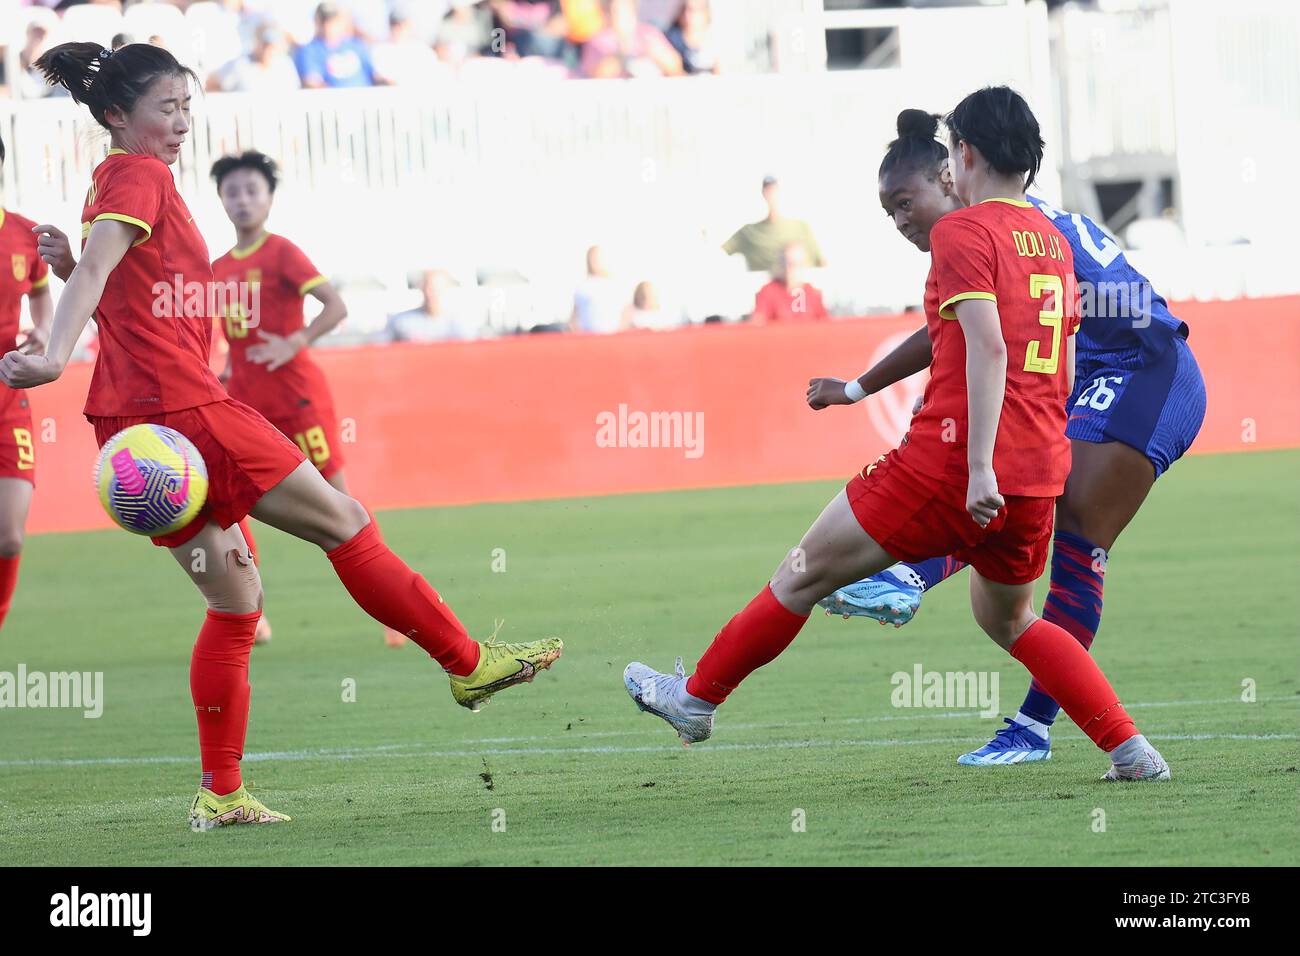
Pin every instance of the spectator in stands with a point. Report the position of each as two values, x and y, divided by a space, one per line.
659 13
761 242
441 316
30 82
583 20
404 59
335 57
249 16
466 31
692 37
628 47
532 27
598 300
450 54
372 19
645 311
120 40
788 297
268 69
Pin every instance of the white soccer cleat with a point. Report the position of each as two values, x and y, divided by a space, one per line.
1142 763
665 696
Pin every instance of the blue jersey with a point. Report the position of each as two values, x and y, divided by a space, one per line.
1122 315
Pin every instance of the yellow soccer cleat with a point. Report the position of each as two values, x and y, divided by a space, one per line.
209 811
504 665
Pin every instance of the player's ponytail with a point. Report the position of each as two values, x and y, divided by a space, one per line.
916 148
102 79
999 123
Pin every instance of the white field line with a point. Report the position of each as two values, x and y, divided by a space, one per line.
407 750
389 751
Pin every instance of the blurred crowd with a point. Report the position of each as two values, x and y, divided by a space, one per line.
770 264
269 46
765 271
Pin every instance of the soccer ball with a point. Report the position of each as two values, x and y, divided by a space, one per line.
151 479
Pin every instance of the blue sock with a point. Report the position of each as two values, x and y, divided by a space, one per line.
934 570
1073 603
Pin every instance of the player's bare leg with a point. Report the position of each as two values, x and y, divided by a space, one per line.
15 502
1003 611
1107 485
221 566
833 552
263 633
1068 672
391 638
307 506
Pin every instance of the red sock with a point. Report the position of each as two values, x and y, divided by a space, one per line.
395 596
8 581
247 531
1061 665
219 688
754 637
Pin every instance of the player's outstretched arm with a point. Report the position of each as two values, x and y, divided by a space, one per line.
986 386
107 243
910 357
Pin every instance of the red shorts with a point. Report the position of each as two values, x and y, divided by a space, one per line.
17 447
316 431
915 517
245 455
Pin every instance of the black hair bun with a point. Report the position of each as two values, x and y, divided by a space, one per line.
918 123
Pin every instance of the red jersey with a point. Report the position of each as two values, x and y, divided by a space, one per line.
22 270
1004 251
279 275
154 318
777 302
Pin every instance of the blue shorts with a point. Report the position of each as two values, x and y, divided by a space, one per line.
1156 407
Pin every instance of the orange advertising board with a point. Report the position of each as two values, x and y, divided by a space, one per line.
547 416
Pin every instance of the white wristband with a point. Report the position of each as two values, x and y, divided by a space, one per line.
853 391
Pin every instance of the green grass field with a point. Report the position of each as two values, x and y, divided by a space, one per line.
1201 596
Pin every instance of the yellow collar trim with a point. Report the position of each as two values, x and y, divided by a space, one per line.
116 151
237 253
1010 202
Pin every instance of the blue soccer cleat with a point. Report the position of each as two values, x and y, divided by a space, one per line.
1014 743
885 597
